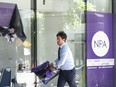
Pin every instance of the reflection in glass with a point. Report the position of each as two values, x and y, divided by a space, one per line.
102 5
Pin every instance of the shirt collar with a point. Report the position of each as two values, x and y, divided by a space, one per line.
62 45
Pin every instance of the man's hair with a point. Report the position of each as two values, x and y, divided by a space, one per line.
62 34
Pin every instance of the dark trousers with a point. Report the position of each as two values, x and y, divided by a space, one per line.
67 76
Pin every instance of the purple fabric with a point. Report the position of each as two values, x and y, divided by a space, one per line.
6 12
10 18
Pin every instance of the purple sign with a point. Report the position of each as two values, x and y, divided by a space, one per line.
6 12
99 22
100 76
100 52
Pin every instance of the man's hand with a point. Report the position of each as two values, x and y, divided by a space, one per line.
51 67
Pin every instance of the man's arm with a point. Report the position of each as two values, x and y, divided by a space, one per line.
63 56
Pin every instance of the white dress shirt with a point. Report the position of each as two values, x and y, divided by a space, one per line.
66 61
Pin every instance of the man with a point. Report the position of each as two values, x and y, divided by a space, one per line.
65 62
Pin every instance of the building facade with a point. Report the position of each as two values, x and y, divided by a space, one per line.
42 19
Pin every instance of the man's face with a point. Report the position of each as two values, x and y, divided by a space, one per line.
60 41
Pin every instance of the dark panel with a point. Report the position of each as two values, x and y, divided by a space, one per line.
34 34
114 24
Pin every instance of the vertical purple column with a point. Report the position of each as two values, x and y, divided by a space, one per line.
100 50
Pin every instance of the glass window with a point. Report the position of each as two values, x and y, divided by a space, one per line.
22 4
101 6
17 55
68 16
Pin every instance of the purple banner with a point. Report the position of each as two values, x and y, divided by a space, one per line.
100 76
100 50
6 12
